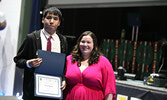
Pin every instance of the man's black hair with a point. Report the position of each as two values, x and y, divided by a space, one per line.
53 10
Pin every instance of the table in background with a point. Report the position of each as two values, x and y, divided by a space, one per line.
136 88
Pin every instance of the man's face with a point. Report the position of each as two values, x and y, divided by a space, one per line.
51 22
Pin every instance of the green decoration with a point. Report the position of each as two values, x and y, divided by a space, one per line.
125 52
111 52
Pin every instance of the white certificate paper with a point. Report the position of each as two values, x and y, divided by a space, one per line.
48 86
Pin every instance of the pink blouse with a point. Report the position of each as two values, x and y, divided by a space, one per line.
94 83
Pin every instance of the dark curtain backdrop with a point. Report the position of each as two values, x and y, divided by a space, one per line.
35 23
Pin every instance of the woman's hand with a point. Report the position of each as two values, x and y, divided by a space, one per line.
63 85
109 97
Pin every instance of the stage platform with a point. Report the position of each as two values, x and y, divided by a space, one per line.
136 90
8 98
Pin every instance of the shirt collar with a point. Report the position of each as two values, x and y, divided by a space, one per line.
47 34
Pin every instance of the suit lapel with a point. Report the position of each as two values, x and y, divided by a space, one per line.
38 40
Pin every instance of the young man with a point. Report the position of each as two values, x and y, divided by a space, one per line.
27 55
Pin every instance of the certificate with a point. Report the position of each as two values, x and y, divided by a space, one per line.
48 86
48 75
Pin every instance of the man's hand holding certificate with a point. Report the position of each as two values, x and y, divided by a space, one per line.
48 74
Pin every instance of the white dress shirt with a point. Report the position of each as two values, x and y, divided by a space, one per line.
55 42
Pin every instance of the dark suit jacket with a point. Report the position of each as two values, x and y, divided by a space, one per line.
27 51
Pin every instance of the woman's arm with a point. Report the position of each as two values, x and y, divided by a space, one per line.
109 97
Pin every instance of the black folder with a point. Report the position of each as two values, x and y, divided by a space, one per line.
52 63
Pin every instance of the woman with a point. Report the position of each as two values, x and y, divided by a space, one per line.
89 74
